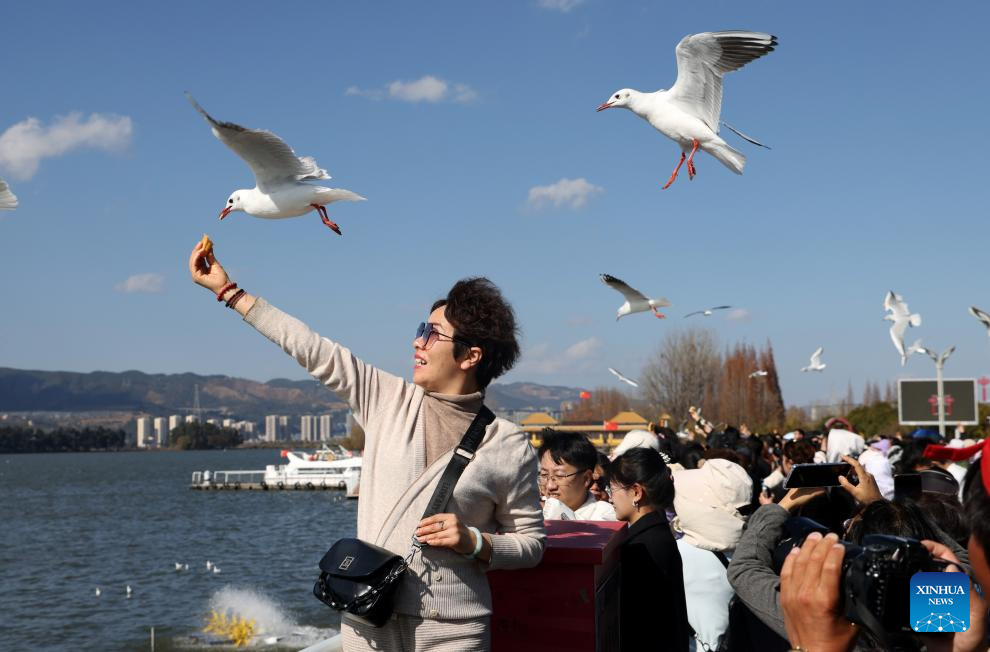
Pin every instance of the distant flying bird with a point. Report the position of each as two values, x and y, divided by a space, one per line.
128 591
901 318
982 316
623 378
689 113
636 301
216 570
759 373
178 566
816 363
209 565
8 201
279 174
98 592
707 312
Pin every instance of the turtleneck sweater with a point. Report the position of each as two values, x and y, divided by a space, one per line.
446 418
409 439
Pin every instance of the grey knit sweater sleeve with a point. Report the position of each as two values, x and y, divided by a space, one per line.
751 570
364 387
519 540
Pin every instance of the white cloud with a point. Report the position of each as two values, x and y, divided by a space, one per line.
425 89
371 94
563 6
582 349
24 145
147 283
539 359
739 314
573 193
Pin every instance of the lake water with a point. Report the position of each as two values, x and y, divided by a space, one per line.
77 521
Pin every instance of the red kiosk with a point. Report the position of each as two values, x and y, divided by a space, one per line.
570 602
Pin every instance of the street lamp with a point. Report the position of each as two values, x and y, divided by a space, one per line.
939 361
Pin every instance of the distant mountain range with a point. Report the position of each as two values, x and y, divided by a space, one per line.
135 391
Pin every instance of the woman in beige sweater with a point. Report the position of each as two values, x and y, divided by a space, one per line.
493 519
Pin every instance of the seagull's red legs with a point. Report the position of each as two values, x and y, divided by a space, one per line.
691 169
322 210
658 314
674 175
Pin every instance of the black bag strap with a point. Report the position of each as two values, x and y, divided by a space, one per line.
463 454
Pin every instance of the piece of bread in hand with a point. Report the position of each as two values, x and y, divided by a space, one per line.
206 245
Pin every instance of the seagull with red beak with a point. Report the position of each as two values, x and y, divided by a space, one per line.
280 176
690 111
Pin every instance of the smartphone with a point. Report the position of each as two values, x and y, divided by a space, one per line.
816 475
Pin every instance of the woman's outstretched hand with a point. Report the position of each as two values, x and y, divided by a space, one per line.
206 271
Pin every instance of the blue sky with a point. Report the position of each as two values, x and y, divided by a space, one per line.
876 180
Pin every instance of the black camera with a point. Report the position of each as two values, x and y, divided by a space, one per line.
876 578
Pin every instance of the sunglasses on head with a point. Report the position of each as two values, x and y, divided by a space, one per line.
429 334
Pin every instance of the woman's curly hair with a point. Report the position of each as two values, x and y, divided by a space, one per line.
480 314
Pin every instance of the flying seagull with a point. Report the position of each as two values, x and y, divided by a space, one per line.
636 301
707 312
280 175
816 363
8 201
758 373
689 113
623 378
982 316
900 318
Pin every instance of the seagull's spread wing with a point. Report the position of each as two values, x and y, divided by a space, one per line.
692 314
816 357
268 156
973 310
894 303
629 293
623 378
702 60
8 201
748 139
720 308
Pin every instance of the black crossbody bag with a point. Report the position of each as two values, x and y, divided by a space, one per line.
361 578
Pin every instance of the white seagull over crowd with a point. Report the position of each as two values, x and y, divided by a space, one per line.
8 201
816 363
627 381
636 301
900 318
279 174
759 373
689 113
707 312
983 316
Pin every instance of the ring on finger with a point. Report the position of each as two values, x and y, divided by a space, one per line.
440 526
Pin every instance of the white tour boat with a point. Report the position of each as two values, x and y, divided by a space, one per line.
324 468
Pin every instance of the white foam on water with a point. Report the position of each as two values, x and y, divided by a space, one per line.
251 605
269 618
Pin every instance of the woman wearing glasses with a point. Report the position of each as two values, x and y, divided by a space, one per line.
493 519
653 613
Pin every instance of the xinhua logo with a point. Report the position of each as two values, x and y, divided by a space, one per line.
940 602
